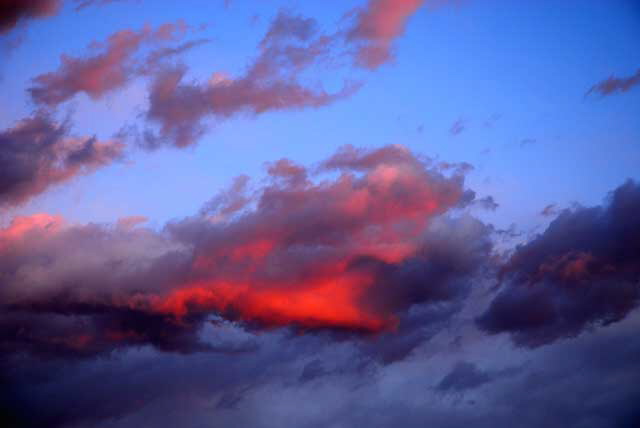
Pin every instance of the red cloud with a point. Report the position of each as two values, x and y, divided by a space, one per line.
351 251
296 258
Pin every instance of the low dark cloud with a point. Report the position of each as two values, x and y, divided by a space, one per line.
38 153
584 270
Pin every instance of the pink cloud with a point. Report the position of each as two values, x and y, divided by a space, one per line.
377 26
109 69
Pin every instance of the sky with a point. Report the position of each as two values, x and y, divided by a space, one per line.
317 213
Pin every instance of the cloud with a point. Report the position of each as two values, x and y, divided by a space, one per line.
349 254
13 12
38 153
463 376
274 80
584 270
488 203
271 82
614 84
550 210
277 78
457 127
375 29
113 66
366 252
81 4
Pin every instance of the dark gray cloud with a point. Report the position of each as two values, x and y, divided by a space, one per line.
584 270
596 387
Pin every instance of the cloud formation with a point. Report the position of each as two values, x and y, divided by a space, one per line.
38 153
271 82
584 270
614 84
366 252
350 254
376 27
113 66
277 78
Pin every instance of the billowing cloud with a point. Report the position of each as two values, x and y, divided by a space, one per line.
352 253
584 270
615 84
38 153
111 67
376 27
291 45
12 12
